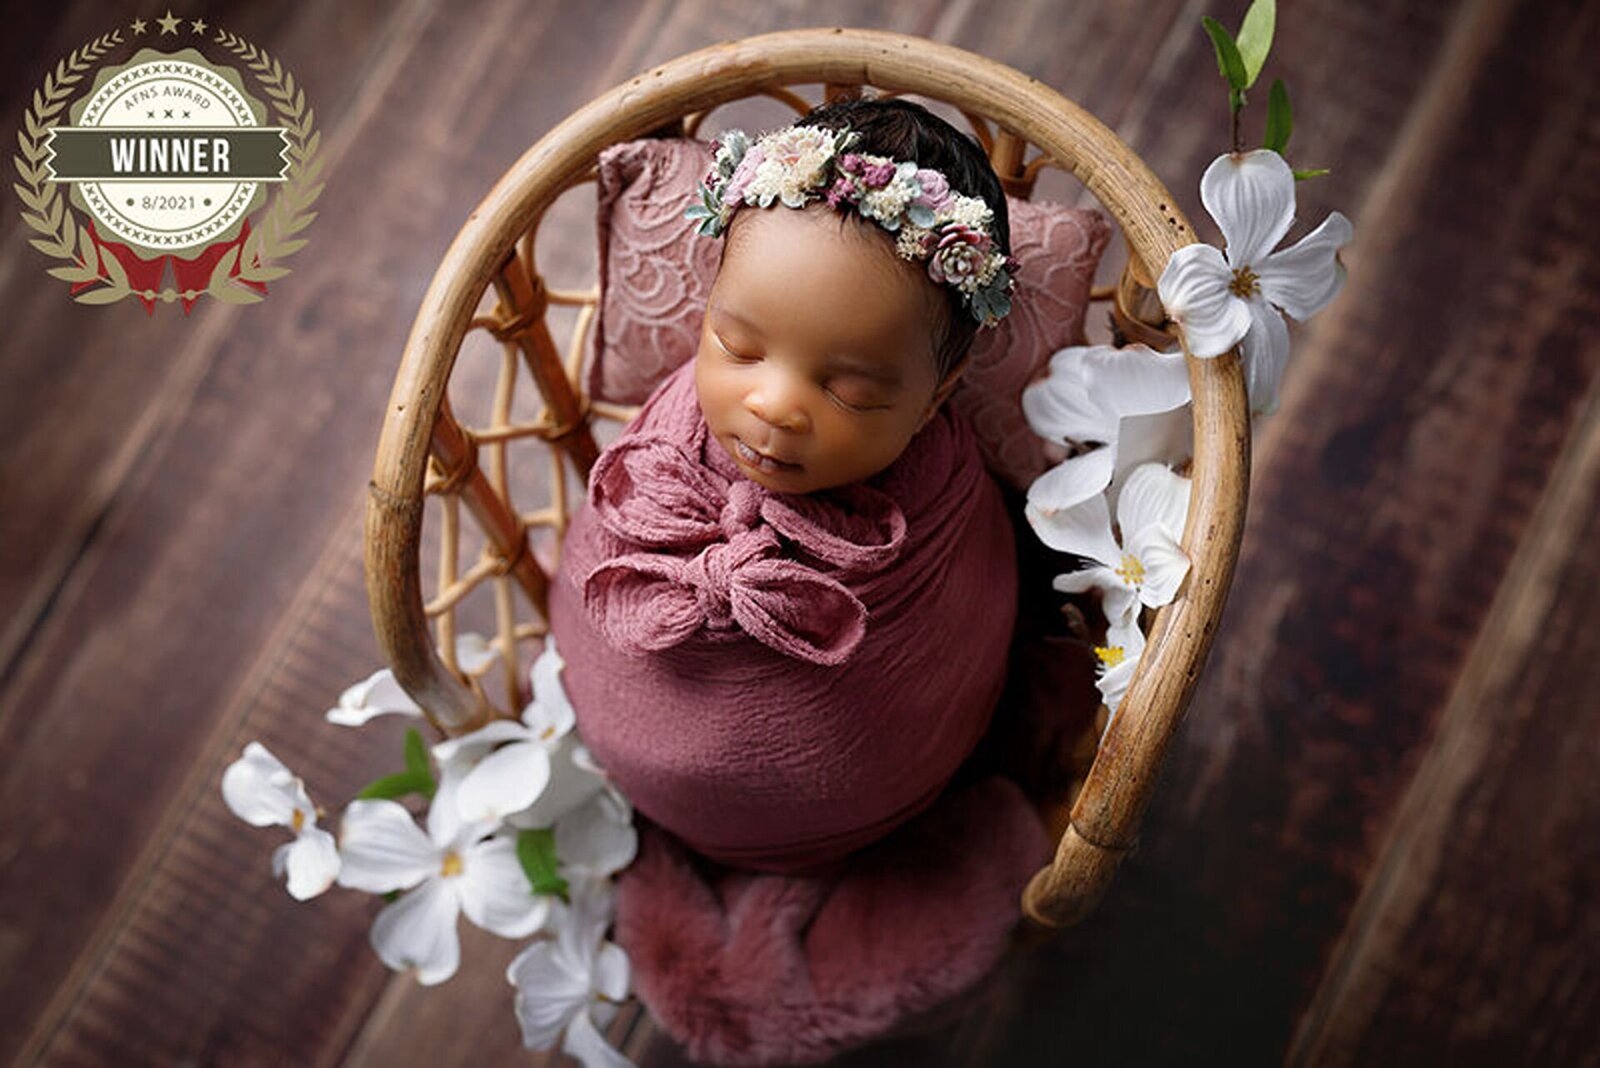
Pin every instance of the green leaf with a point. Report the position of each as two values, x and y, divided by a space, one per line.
536 850
1255 37
1315 172
390 895
1228 61
399 784
417 754
1280 119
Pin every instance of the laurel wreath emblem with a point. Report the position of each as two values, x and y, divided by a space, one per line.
273 241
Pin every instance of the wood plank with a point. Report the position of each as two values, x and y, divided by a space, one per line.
1488 870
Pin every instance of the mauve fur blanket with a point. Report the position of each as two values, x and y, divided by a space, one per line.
778 679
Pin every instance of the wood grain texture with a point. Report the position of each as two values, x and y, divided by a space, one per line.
1376 840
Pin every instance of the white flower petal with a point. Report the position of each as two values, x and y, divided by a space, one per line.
546 676
592 839
444 814
495 893
1062 408
585 1044
1163 437
549 720
506 781
419 931
1266 354
1304 277
612 973
383 848
1118 600
1114 680
1074 480
474 744
581 926
1165 566
376 695
1090 578
474 654
1194 290
1085 529
1137 380
549 993
1154 495
574 779
1251 195
312 862
261 791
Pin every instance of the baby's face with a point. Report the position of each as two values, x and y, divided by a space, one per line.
816 364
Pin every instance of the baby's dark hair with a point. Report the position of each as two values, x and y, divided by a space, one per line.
903 130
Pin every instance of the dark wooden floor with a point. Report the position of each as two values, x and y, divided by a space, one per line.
1378 840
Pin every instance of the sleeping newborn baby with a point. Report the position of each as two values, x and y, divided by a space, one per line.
786 610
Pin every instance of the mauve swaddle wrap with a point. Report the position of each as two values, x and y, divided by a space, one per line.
779 680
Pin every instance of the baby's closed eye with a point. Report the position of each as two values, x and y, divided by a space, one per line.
734 351
859 393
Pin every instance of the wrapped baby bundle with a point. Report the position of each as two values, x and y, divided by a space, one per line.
784 685
779 680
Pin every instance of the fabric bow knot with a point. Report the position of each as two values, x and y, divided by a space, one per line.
715 556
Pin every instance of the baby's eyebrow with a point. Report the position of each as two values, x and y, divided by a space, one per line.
723 309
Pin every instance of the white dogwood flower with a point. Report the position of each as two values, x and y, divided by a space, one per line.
1222 299
264 793
379 694
596 839
573 982
1126 406
1118 658
505 766
445 875
1146 566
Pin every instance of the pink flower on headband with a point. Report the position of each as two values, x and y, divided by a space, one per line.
743 176
876 175
935 189
960 258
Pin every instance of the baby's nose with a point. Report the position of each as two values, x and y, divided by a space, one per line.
778 406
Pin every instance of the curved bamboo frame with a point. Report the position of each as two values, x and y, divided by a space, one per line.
494 248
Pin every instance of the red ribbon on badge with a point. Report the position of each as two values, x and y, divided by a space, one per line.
192 274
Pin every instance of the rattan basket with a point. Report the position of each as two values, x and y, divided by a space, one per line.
488 281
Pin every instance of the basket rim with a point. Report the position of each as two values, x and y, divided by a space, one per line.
1105 818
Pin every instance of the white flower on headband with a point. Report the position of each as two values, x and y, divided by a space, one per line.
953 233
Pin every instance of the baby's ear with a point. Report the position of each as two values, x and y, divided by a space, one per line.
945 388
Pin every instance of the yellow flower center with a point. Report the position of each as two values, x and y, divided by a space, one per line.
1132 570
451 865
297 821
547 734
1110 655
1245 282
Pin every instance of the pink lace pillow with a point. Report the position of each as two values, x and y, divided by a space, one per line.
655 276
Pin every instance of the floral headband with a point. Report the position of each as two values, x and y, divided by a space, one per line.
953 233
